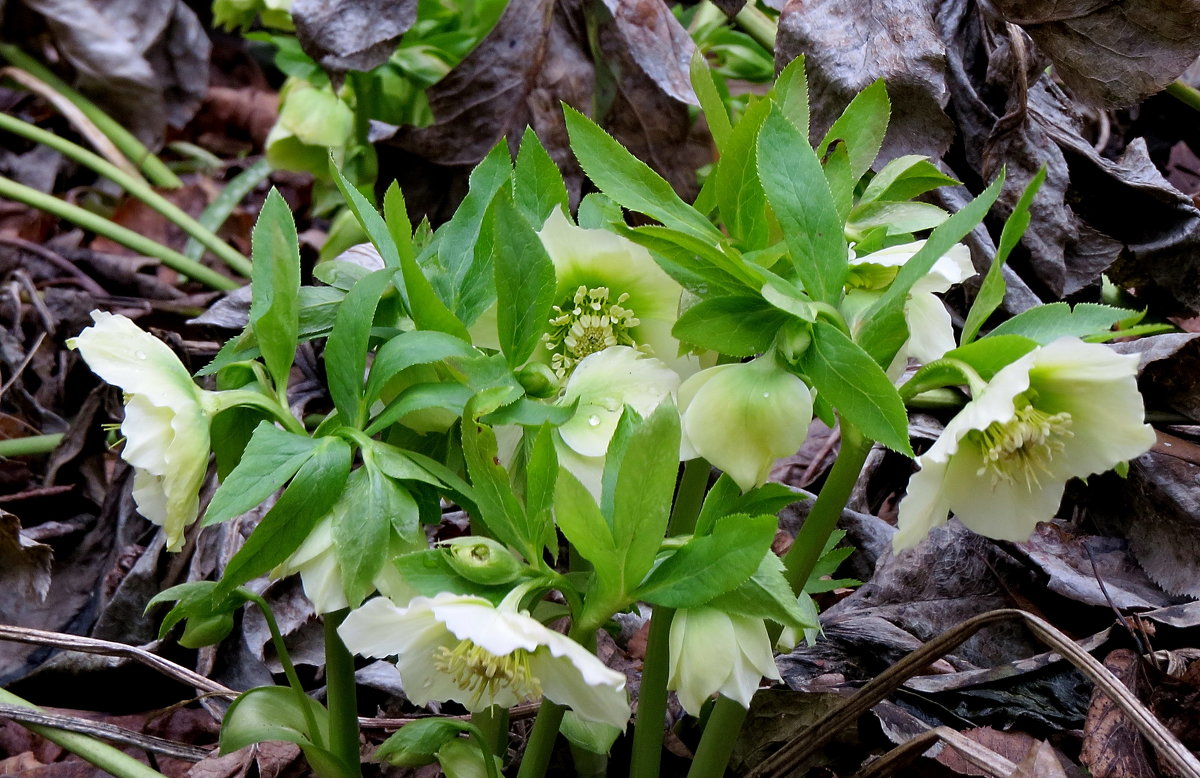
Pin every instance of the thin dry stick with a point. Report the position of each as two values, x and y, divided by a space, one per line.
796 751
103 731
980 756
76 117
108 648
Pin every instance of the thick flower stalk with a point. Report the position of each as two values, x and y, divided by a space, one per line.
166 424
713 652
462 648
1069 409
930 330
743 417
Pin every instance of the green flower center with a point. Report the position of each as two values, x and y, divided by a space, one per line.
1020 449
585 324
477 670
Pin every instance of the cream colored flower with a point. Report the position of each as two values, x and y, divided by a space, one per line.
712 652
609 292
166 424
462 648
743 417
1065 410
602 384
931 332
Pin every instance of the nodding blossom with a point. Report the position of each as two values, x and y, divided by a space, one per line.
1062 411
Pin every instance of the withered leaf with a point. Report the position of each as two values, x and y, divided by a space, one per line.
1112 746
352 34
1169 371
24 563
847 46
657 43
1112 54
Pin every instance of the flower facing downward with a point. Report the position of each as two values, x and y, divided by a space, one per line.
712 652
743 417
166 424
1066 410
462 648
931 332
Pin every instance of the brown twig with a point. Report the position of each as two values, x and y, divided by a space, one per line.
980 756
796 751
109 648
103 731
86 282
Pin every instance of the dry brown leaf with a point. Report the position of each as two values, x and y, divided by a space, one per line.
1112 747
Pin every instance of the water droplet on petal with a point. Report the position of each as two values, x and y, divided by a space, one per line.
140 354
594 420
766 395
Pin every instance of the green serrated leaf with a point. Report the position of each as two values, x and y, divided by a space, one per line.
409 349
538 187
709 566
370 509
884 330
861 127
525 285
271 457
795 184
275 286
346 348
739 326
429 574
766 595
904 178
990 354
313 491
790 93
1047 323
737 190
629 181
991 291
841 181
896 218
587 530
847 377
711 103
272 713
419 397
417 743
499 507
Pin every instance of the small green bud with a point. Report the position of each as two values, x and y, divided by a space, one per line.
200 631
482 560
538 380
793 339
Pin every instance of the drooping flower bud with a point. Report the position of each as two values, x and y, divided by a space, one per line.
482 560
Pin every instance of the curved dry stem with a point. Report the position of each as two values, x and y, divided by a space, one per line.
796 751
109 648
102 731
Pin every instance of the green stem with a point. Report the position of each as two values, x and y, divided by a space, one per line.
30 445
289 669
540 747
757 25
493 727
822 519
115 232
690 498
1188 95
720 734
219 209
102 755
341 695
133 186
229 398
154 168
652 697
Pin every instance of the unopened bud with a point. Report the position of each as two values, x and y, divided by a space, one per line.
482 560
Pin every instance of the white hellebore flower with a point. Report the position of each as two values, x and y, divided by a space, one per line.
1065 410
166 424
743 417
603 383
931 332
609 292
713 652
462 648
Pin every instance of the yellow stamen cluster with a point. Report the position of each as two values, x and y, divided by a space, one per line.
585 324
477 670
1022 447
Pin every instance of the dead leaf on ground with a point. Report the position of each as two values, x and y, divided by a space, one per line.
351 34
1112 746
1034 758
24 564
